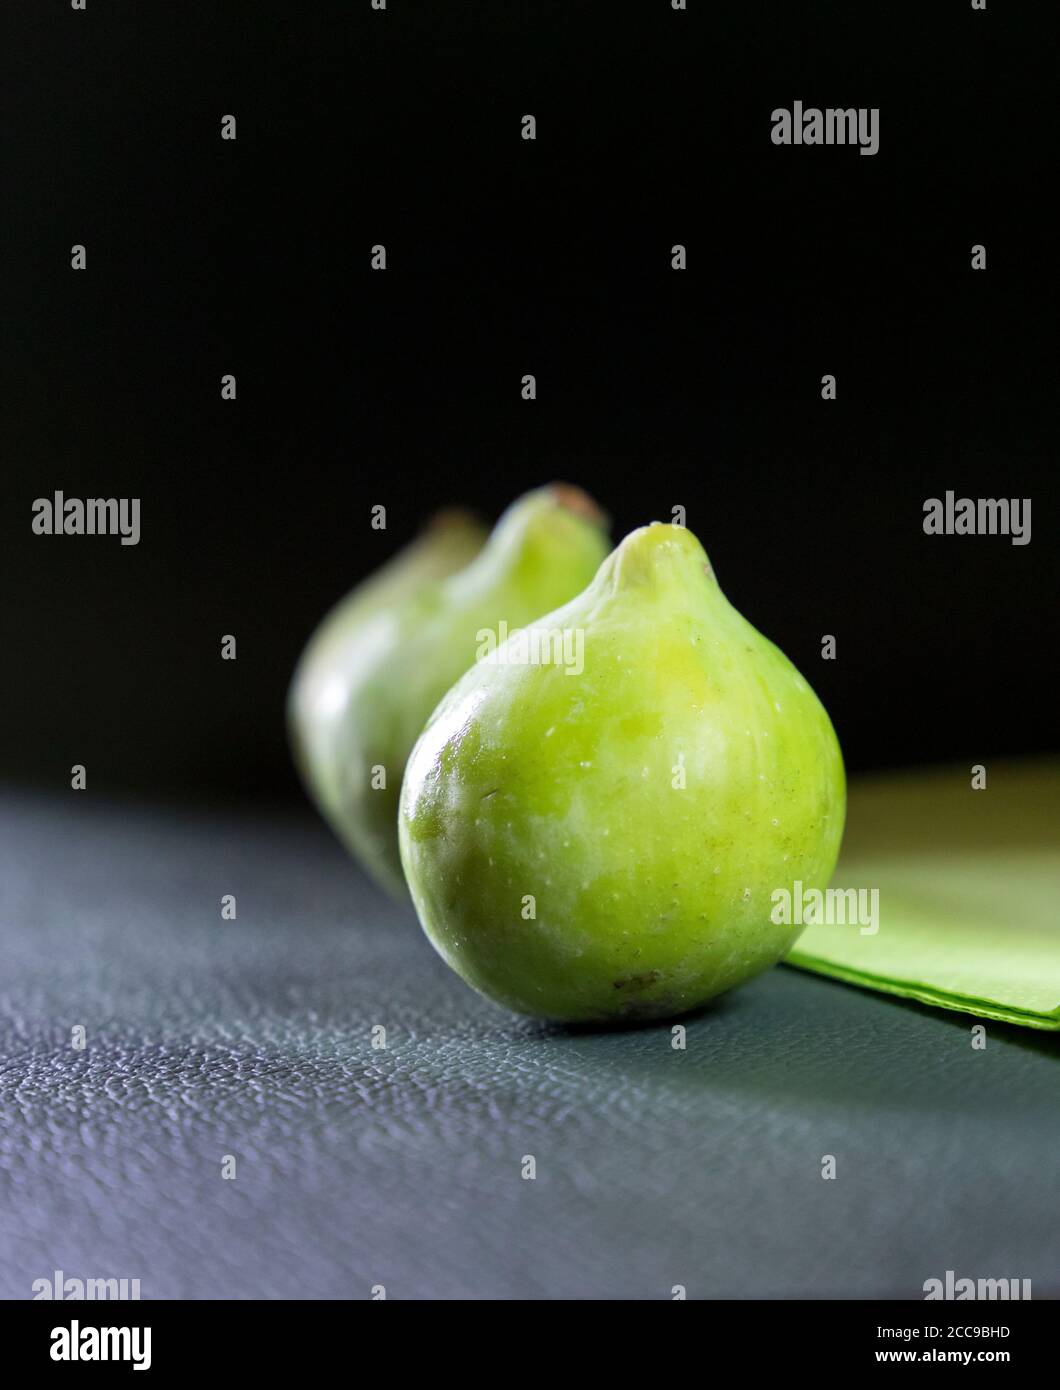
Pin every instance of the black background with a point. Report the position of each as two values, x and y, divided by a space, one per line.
655 388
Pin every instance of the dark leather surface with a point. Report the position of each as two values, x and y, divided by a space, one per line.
357 1167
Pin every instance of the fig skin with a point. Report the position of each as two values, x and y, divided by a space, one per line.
385 656
648 898
319 699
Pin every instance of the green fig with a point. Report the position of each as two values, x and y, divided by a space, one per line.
327 673
381 661
601 838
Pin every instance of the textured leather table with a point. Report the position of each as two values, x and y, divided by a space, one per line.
357 1166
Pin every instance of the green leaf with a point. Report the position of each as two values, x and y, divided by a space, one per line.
969 892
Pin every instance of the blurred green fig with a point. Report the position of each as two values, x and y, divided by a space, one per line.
318 706
380 662
598 816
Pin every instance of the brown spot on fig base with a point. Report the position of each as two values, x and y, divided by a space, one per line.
637 981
